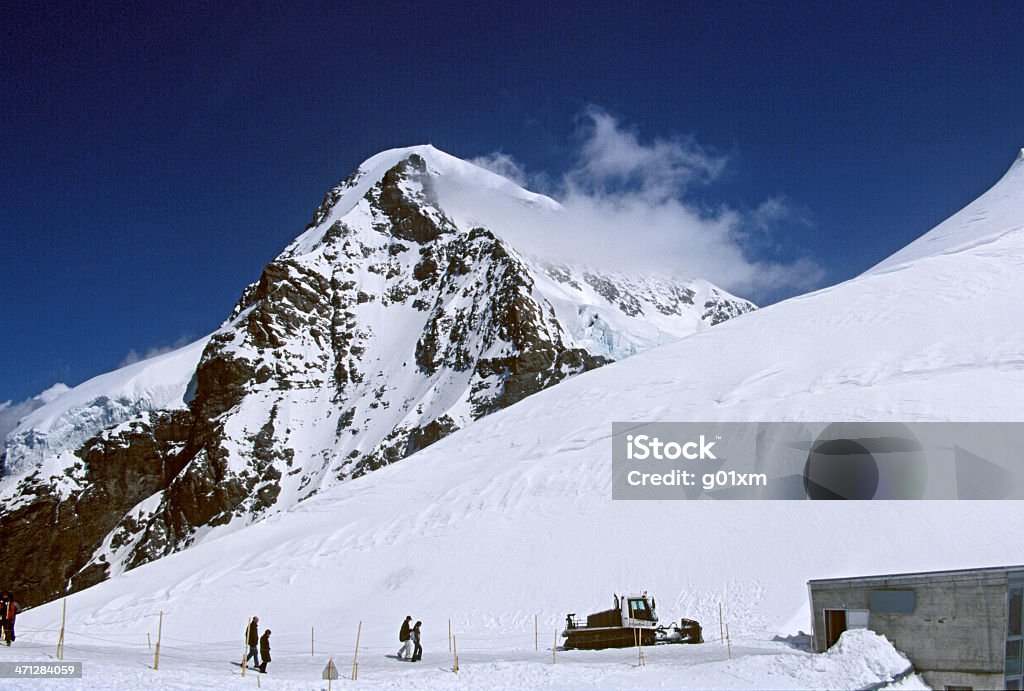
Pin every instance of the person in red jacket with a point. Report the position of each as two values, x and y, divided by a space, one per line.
8 611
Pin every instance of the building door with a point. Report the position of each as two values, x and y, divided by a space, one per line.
835 624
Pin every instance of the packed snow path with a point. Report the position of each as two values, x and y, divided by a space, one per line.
860 660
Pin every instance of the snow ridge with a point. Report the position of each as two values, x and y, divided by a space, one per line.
997 212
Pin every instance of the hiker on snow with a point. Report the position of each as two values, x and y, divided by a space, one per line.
265 650
406 650
8 611
414 635
252 637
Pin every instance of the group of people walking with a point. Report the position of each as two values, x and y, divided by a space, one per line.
259 646
8 611
252 639
410 639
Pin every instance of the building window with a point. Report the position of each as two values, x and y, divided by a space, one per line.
892 601
1014 657
1014 665
1014 613
857 618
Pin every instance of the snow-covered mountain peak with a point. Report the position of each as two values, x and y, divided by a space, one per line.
442 164
403 313
454 171
461 192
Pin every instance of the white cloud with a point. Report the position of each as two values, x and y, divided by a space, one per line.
779 211
611 154
627 206
502 164
133 356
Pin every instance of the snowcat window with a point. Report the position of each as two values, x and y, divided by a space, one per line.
638 610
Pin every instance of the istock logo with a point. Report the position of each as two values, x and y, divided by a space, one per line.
822 460
642 447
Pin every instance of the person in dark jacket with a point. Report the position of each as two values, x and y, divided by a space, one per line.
8 611
417 654
265 650
252 638
403 636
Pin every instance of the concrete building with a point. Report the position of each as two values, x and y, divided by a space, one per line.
961 629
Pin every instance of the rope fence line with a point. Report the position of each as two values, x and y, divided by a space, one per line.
292 648
524 637
283 650
292 652
109 653
177 651
34 645
131 646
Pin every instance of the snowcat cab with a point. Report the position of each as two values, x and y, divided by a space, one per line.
632 621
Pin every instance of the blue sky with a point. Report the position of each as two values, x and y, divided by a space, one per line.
155 157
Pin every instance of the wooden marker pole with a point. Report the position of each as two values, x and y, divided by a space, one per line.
355 658
728 640
455 655
554 649
60 638
159 635
449 635
330 677
245 648
721 629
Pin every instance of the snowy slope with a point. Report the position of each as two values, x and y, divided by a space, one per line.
512 516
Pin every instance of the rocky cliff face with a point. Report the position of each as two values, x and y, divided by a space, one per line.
381 329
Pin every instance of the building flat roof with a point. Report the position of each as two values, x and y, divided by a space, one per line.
953 573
